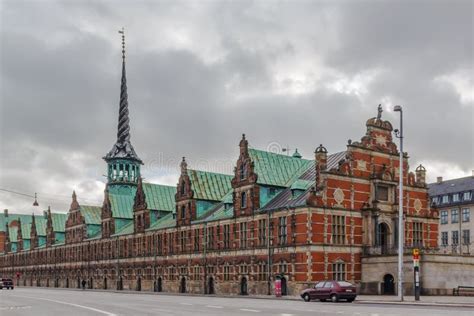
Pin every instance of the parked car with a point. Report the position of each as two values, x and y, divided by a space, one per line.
6 283
330 290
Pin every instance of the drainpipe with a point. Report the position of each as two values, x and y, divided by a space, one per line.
269 269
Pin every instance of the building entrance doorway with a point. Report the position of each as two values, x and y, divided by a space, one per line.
388 285
243 286
182 286
210 286
139 284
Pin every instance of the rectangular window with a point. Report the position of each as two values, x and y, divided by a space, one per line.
417 234
226 236
466 239
444 217
226 272
444 238
243 235
454 237
210 237
338 229
182 240
455 197
466 215
282 230
339 271
196 239
454 216
382 193
467 196
445 199
262 232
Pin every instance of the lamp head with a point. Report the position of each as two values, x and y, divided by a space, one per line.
397 108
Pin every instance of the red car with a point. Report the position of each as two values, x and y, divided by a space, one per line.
330 290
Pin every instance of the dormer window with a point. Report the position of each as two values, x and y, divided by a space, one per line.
382 193
467 196
456 197
445 199
243 200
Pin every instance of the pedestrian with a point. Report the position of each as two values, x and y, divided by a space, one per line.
83 284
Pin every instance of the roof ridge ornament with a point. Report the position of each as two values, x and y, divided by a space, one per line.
379 112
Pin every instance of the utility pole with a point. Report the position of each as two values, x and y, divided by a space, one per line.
401 227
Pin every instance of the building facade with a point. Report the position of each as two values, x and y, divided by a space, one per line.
455 201
276 217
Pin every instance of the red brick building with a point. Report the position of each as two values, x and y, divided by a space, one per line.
277 217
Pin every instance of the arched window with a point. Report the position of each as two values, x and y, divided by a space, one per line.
183 211
243 200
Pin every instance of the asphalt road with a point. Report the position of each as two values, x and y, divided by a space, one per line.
32 301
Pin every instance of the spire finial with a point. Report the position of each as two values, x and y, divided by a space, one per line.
35 203
122 31
379 112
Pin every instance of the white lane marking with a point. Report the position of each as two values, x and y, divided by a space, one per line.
249 310
188 304
70 304
213 306
286 314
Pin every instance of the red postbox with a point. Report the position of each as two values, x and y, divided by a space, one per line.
278 288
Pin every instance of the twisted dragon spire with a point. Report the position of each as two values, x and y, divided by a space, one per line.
123 147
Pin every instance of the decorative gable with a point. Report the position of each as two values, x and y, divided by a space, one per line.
141 216
107 221
246 195
185 205
76 229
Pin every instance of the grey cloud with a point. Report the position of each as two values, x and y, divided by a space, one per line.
60 79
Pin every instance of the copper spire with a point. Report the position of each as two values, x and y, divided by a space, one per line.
122 147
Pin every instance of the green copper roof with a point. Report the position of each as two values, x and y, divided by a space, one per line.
59 221
301 184
91 214
25 231
13 233
218 213
160 197
164 222
40 223
125 230
208 185
3 223
277 170
122 205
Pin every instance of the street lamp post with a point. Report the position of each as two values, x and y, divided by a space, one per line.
401 227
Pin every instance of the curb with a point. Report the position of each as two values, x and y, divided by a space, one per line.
270 297
438 304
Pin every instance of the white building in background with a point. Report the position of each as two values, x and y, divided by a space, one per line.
455 202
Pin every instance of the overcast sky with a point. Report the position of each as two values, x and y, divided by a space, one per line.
200 73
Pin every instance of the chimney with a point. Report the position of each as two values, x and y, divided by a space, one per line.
439 180
5 212
472 173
